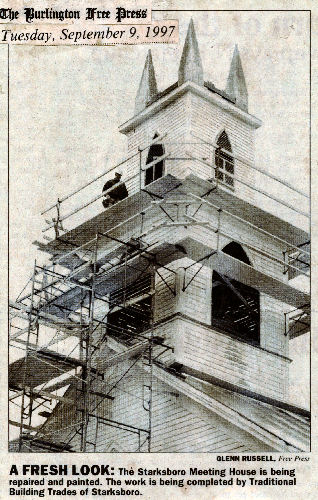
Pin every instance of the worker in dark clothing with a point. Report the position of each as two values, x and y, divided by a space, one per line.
118 193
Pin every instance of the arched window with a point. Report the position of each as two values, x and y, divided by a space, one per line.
235 306
155 171
237 251
224 162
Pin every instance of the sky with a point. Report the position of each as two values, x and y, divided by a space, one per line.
66 104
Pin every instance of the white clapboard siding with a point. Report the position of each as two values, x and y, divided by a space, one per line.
176 429
273 335
195 300
127 407
177 424
165 301
229 359
170 120
207 122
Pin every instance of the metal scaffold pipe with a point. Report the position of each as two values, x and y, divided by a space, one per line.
290 245
251 165
61 200
73 212
300 212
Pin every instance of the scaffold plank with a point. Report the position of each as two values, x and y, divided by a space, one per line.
246 211
248 275
233 268
24 426
115 214
103 363
109 280
62 383
40 368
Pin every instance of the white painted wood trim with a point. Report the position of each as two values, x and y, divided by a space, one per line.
178 92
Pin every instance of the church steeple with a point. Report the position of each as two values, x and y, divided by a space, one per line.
147 86
236 86
190 64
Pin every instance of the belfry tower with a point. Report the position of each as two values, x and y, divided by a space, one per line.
178 294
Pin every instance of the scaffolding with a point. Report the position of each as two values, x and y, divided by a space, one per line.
70 295
76 319
40 364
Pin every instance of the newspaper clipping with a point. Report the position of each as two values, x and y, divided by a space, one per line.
157 215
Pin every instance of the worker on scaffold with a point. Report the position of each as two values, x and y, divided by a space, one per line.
116 194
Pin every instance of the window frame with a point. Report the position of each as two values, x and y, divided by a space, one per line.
224 162
239 322
154 168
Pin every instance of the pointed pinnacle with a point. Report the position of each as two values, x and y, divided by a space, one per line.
236 86
190 64
147 86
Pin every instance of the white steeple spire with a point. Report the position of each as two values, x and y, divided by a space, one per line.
236 86
147 86
190 64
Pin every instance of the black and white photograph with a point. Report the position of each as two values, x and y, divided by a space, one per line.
159 249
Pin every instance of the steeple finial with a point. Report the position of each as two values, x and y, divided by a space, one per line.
190 64
147 86
236 86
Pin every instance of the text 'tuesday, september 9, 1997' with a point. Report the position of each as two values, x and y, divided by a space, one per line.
104 24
